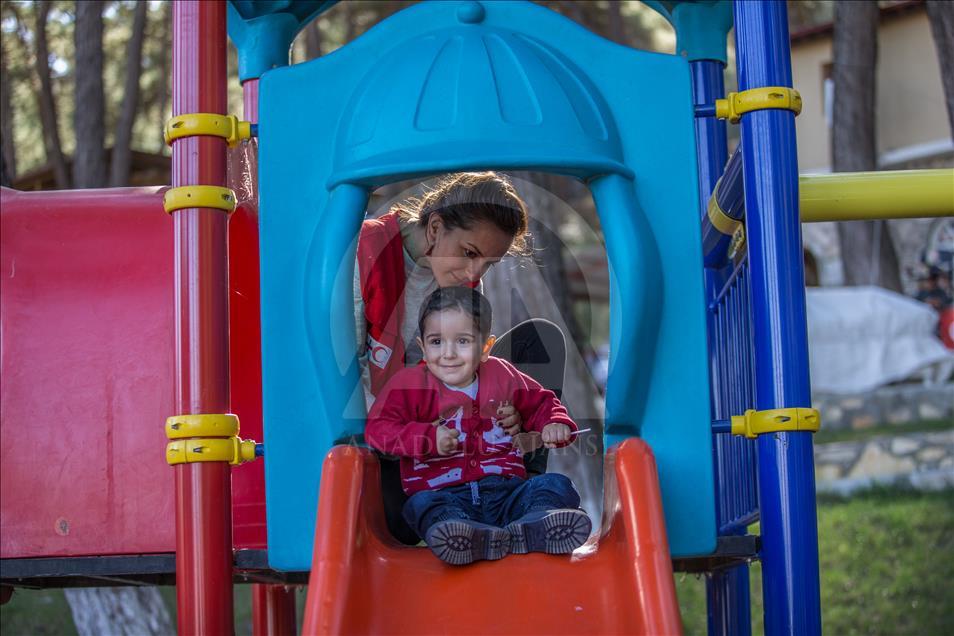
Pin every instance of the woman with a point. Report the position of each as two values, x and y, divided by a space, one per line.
449 237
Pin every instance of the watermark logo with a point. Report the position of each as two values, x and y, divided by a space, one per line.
378 354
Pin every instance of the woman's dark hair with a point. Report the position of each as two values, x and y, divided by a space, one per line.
466 299
466 198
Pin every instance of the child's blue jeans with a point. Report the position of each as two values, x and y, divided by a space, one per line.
495 500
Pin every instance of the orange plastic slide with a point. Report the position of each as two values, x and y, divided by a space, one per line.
365 582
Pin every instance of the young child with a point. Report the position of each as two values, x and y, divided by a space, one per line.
470 498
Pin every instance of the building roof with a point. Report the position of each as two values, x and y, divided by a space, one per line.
888 12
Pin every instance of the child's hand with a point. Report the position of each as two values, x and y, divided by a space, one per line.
509 418
447 440
555 433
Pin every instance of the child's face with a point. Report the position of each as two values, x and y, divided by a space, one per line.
458 256
453 349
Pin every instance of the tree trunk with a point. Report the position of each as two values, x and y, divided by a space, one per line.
5 178
89 160
941 16
520 290
867 251
165 63
351 22
313 40
7 146
47 102
119 611
575 11
122 144
616 28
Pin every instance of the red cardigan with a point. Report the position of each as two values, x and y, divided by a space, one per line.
402 419
382 274
381 268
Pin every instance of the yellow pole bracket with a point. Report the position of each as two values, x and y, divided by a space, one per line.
206 437
233 450
202 425
755 423
228 127
777 97
198 196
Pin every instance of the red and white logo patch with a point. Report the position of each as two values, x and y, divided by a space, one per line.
378 353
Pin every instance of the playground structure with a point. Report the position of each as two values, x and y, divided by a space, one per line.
95 356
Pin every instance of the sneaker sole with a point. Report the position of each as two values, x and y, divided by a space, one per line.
459 543
557 532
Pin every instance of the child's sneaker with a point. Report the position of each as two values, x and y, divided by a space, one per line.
559 531
462 541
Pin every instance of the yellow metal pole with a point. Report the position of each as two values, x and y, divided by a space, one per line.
866 196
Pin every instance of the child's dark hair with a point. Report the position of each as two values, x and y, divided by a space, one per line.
468 300
465 198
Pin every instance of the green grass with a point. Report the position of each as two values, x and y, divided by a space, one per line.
46 612
886 560
824 435
887 566
37 613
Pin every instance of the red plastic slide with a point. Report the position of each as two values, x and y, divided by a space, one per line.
364 582
87 361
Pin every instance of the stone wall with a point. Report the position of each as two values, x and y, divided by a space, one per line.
919 460
899 404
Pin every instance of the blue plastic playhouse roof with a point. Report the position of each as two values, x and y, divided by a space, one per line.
462 87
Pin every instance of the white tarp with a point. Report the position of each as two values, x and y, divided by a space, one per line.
860 338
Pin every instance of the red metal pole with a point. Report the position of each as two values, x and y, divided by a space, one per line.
203 495
245 351
273 611
250 100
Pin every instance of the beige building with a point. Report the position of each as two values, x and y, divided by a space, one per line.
911 120
911 114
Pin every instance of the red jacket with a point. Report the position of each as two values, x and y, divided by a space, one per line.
382 274
402 419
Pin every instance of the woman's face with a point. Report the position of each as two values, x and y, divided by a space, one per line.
458 256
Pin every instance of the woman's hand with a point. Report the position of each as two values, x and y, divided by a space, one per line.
509 418
447 440
555 434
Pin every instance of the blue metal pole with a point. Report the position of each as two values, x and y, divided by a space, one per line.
727 591
708 84
785 463
711 148
727 600
729 198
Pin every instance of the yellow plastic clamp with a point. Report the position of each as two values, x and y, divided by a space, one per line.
228 127
719 219
213 449
203 425
198 196
755 423
737 104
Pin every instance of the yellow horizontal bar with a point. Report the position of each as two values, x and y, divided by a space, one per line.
865 196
